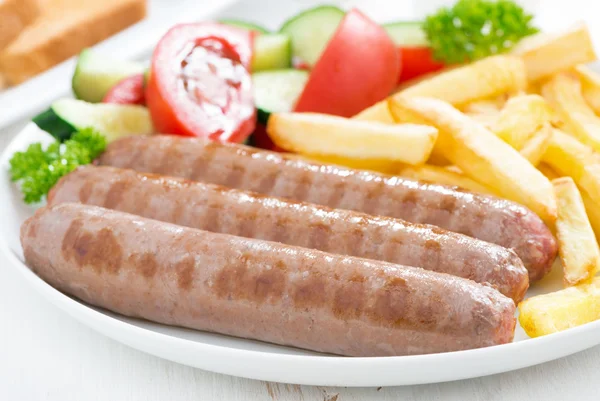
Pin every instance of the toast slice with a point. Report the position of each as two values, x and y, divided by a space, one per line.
15 15
64 28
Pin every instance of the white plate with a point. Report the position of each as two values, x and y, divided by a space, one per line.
134 43
256 360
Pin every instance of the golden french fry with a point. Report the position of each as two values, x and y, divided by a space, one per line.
520 118
592 209
480 154
577 244
482 79
590 86
548 171
321 134
380 166
546 54
560 310
535 148
485 106
379 112
569 157
444 176
563 92
485 78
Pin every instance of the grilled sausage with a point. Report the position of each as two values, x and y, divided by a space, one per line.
257 289
219 209
484 217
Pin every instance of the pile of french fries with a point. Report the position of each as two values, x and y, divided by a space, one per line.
523 126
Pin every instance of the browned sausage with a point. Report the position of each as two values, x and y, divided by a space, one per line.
484 217
258 289
219 209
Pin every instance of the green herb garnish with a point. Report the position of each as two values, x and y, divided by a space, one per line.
38 169
474 29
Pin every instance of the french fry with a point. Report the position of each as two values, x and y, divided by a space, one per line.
379 112
569 157
556 311
548 171
590 86
380 166
563 92
577 244
592 209
536 146
444 176
485 106
321 134
482 79
546 54
520 118
480 154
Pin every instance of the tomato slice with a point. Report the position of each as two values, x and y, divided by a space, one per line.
417 61
200 83
128 91
359 67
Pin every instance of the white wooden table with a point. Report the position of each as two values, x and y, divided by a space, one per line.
46 355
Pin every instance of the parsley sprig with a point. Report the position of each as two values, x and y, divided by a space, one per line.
38 169
474 29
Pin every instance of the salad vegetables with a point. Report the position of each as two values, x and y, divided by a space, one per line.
224 80
200 83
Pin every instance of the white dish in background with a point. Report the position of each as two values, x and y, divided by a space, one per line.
257 360
134 43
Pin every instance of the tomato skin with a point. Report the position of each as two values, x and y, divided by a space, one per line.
128 91
261 140
359 67
178 106
417 61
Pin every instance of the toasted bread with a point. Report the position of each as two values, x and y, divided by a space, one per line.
15 15
64 28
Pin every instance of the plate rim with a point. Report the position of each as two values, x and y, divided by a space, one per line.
316 369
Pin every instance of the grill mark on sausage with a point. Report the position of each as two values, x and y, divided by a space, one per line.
146 264
350 299
114 196
267 183
242 280
203 161
448 204
86 191
303 184
184 269
372 198
309 292
236 176
100 250
319 236
337 194
390 307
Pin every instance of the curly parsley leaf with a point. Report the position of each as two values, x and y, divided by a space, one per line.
38 169
474 29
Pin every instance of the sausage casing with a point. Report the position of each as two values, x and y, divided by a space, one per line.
258 289
229 211
487 218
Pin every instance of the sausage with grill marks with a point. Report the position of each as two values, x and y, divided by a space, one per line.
219 209
487 218
257 289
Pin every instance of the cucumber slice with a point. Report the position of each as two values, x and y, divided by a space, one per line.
272 51
277 91
244 25
407 33
96 74
311 30
67 116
